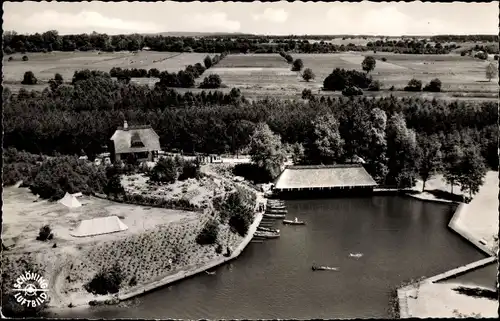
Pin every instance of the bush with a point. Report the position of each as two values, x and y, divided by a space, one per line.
133 281
252 172
307 94
414 85
107 281
289 58
352 91
495 57
209 233
463 53
481 55
211 82
165 171
374 86
45 234
208 62
392 88
384 59
339 79
29 78
63 174
190 170
25 58
433 86
10 58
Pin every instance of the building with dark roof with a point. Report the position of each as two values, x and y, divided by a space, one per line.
139 142
328 179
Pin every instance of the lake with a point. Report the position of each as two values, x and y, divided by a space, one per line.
400 238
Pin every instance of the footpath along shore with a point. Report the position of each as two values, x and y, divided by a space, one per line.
477 222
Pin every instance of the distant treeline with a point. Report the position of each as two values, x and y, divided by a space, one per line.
52 41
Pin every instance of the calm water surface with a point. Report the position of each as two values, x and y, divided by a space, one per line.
400 238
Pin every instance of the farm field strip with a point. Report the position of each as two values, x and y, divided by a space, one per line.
44 66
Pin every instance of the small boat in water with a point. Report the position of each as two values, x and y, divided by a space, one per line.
294 222
267 235
276 207
324 268
210 273
269 215
356 255
277 211
267 229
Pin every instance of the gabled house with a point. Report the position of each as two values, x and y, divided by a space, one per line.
139 142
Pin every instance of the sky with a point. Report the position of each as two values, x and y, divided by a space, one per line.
271 18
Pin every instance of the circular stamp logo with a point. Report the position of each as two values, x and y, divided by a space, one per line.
31 289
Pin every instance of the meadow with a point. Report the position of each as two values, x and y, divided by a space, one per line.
263 75
271 75
46 65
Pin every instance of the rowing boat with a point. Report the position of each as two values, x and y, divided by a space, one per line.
294 222
267 235
268 215
324 268
271 211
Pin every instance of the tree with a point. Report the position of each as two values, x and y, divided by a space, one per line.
433 86
401 150
414 85
266 149
368 64
429 157
327 146
297 153
208 62
352 91
56 82
376 153
452 159
308 74
491 71
297 65
29 78
25 58
307 94
211 82
208 235
472 170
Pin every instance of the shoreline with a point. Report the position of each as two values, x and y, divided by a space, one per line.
188 271
403 293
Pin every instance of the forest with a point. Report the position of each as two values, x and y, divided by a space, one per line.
52 41
391 134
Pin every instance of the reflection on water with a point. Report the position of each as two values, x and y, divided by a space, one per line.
400 239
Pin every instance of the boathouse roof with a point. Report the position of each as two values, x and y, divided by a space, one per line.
321 176
135 139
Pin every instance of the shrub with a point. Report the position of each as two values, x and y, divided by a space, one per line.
165 171
25 58
29 78
63 174
252 172
463 53
210 82
218 248
289 58
133 281
495 57
308 74
481 55
352 91
433 86
10 58
414 85
209 233
374 86
384 59
190 170
307 94
106 281
392 88
45 234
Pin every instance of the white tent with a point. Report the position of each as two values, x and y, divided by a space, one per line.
100 225
70 201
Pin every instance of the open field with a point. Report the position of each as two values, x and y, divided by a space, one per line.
262 75
45 65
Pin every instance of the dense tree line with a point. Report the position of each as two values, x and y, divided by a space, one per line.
52 41
85 115
465 38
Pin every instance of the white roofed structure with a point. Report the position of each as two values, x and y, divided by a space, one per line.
98 226
70 201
